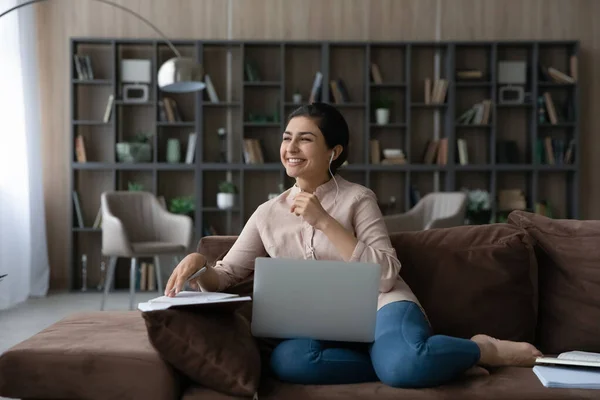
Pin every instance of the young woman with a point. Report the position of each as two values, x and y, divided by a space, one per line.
323 216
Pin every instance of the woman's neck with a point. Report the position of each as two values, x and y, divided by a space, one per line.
311 185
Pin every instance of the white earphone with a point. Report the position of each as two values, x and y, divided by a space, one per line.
331 158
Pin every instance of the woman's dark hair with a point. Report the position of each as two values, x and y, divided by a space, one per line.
331 123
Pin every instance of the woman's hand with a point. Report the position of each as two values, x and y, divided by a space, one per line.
308 206
191 264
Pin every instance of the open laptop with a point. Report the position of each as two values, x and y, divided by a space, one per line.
324 300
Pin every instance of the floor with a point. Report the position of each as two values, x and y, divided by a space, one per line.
28 318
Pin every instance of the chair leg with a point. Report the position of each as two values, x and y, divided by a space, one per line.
158 275
132 274
108 281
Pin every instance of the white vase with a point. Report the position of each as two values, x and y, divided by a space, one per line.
225 201
297 98
382 116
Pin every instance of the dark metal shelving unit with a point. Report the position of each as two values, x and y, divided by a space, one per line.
403 84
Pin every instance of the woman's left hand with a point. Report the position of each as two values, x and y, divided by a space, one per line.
308 206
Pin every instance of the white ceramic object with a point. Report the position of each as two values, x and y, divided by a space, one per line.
382 116
225 201
393 153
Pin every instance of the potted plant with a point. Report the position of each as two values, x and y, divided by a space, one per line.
136 150
134 186
382 110
479 210
183 205
226 195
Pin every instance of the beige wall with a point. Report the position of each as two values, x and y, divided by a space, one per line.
293 19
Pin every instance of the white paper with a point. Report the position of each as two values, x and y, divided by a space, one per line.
189 298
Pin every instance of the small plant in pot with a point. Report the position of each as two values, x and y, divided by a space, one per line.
479 208
382 106
226 195
183 205
137 149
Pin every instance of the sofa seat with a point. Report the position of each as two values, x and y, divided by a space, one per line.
501 384
92 355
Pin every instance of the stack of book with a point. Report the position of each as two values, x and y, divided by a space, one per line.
573 369
437 95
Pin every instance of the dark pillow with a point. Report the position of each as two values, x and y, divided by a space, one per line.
473 279
215 349
568 254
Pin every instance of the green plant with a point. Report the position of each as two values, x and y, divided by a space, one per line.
134 187
383 102
227 187
141 137
478 200
182 205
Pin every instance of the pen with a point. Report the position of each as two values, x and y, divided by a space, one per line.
194 276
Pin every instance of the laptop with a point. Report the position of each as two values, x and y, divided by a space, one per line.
316 299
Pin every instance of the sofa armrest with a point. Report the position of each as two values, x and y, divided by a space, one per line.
214 247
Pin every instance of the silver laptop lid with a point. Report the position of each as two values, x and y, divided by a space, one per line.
326 300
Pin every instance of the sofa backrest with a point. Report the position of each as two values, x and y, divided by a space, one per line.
568 254
470 280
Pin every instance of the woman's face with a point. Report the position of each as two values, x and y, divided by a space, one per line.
303 150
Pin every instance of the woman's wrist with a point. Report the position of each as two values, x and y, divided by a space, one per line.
325 223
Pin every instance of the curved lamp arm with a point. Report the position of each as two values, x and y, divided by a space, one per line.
179 74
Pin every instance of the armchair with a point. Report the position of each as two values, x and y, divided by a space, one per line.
135 224
435 210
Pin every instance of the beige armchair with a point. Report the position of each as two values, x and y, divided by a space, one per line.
135 224
435 210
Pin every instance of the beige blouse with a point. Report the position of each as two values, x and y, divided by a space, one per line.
274 231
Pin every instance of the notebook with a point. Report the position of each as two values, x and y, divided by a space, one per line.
572 358
572 369
191 299
568 377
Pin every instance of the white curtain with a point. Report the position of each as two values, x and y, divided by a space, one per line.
23 247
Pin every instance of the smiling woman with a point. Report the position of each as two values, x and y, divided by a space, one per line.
310 221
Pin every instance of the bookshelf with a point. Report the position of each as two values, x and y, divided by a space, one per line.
254 106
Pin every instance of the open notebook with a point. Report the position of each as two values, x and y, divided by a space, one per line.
191 299
573 369
572 358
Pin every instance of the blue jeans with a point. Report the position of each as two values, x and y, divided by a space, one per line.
404 354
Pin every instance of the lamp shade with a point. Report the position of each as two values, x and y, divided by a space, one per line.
180 75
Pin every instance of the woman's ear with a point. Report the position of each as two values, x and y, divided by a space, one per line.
337 150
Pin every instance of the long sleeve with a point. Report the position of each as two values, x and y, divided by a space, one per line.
374 244
238 263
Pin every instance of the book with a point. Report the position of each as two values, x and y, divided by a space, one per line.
567 377
573 358
191 299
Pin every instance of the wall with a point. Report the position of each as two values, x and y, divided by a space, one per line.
307 19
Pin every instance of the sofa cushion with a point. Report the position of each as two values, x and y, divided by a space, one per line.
212 348
95 355
473 279
569 267
501 384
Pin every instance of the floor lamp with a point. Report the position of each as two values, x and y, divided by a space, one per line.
176 75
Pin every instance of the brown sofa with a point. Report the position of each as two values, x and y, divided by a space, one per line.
532 279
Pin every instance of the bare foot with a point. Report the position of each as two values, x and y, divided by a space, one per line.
502 353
